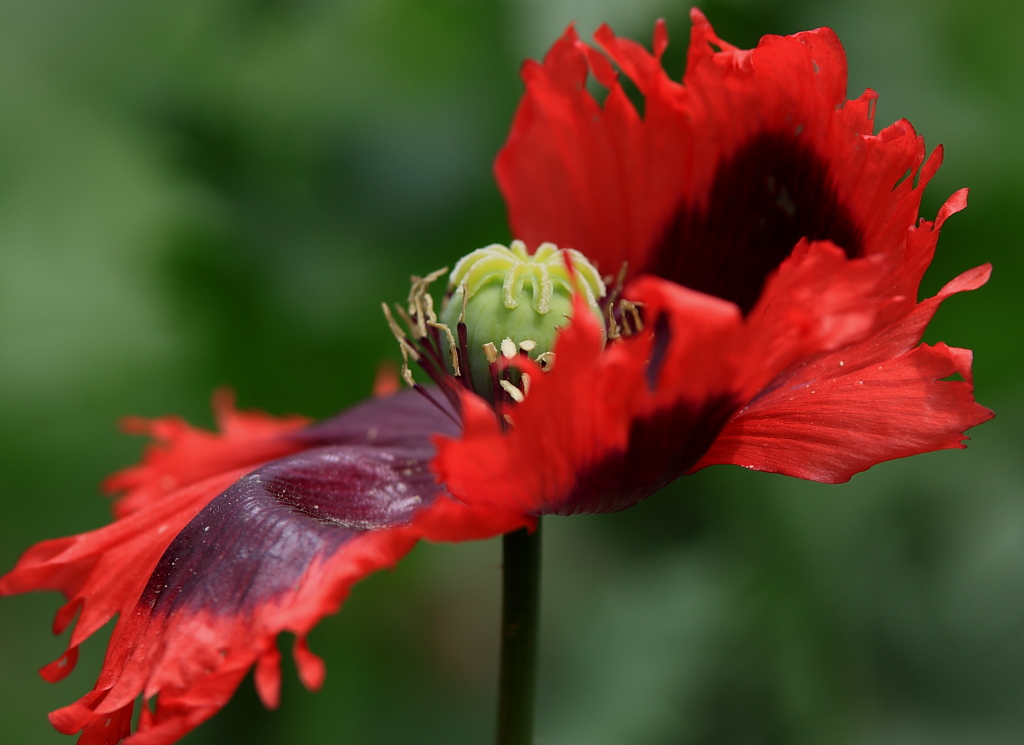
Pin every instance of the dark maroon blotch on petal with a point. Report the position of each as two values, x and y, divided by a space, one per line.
661 448
255 541
772 192
662 338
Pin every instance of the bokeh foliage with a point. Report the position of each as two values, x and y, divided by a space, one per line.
216 192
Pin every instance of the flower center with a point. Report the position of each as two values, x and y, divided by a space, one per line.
501 303
514 302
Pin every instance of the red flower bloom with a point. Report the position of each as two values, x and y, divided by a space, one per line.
777 248
774 246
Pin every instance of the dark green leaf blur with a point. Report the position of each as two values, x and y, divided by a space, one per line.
221 192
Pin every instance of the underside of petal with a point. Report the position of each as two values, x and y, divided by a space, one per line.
271 549
102 572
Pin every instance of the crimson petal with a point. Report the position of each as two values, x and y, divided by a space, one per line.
723 174
837 414
772 232
274 549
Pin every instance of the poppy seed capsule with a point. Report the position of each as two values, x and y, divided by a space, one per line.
509 294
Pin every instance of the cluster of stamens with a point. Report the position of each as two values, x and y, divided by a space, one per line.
444 355
622 317
487 339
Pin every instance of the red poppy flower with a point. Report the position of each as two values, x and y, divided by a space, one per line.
772 245
775 243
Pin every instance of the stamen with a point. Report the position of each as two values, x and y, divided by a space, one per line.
508 348
631 308
421 302
527 345
426 394
403 341
511 390
421 285
411 324
464 353
490 352
403 345
626 330
620 280
452 347
546 361
493 375
526 384
426 308
613 326
628 322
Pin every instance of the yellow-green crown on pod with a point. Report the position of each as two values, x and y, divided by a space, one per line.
504 293
545 271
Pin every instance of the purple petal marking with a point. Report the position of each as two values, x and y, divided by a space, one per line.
366 469
406 419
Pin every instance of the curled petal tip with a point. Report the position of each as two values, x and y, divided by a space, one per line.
312 670
956 202
61 667
268 677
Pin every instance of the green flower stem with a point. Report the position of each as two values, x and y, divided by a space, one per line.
519 606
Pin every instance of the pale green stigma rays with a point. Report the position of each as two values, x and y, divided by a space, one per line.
546 271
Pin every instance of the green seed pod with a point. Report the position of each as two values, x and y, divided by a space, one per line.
508 294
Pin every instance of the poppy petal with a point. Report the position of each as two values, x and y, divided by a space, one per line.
573 415
607 427
753 151
182 455
272 549
838 414
102 572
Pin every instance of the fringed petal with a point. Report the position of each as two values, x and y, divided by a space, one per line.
724 173
205 577
837 414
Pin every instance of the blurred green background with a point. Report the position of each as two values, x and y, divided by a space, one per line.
215 192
